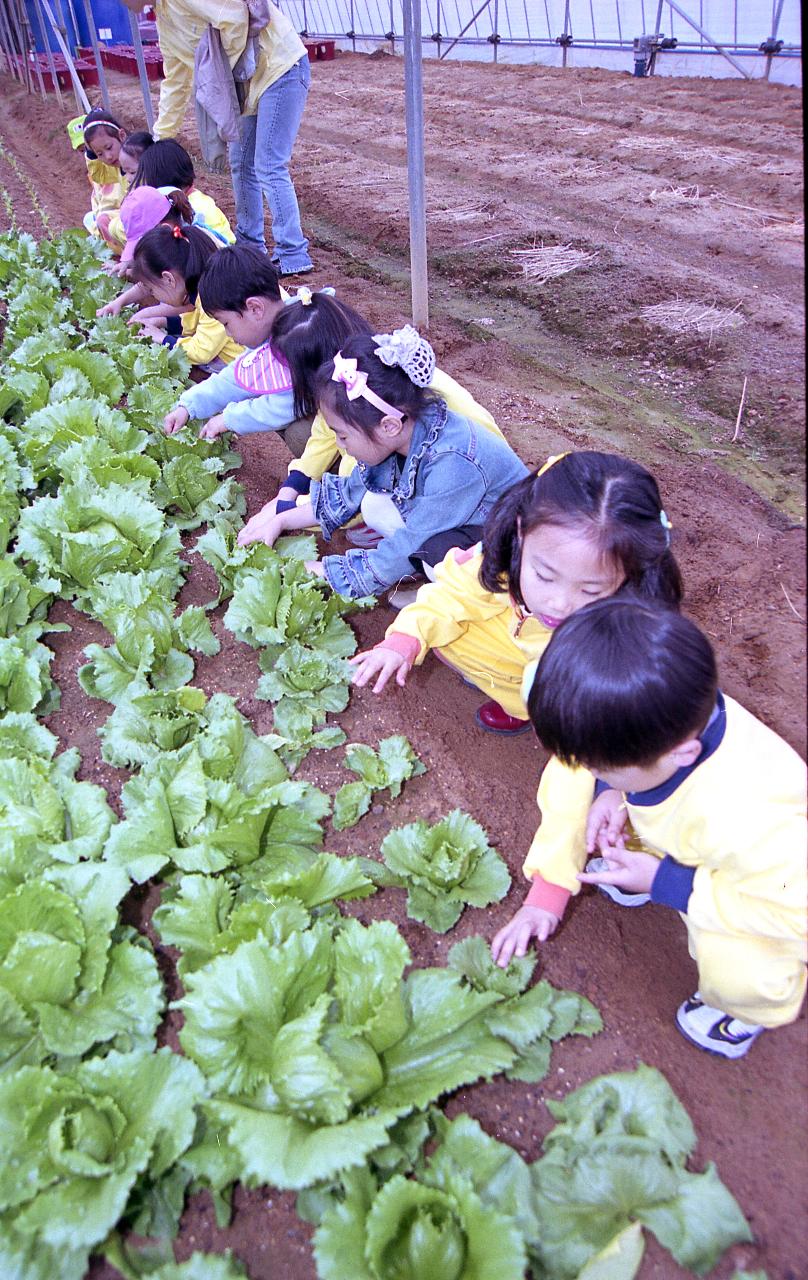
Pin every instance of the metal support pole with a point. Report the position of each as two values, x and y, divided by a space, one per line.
60 30
82 101
18 45
141 70
99 66
719 48
495 33
7 46
29 44
414 112
48 51
775 24
470 23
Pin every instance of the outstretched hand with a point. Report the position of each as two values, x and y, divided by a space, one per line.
631 870
215 426
175 420
265 526
382 663
514 939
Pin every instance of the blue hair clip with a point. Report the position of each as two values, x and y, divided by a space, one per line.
667 526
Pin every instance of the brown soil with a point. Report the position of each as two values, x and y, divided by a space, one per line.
517 156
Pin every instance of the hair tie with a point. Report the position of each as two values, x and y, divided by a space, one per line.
406 348
355 382
667 526
304 295
551 461
176 231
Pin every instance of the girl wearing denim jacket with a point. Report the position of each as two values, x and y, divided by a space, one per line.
426 478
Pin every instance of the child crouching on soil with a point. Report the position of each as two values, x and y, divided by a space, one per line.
240 288
425 479
643 741
583 527
168 262
307 336
103 136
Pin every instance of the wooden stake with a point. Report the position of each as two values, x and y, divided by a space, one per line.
740 412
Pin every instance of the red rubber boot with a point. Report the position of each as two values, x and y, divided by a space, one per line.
493 719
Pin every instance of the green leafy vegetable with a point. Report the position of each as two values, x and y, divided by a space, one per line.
618 1154
46 816
445 866
87 531
25 679
390 767
72 1147
70 978
223 800
149 640
317 1045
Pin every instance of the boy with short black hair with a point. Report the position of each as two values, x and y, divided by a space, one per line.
717 801
239 288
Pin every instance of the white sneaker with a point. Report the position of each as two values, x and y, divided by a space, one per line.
714 1030
361 535
611 890
401 597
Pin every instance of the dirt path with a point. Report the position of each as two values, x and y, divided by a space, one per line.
685 191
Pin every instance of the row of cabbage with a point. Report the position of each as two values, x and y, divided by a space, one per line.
313 1054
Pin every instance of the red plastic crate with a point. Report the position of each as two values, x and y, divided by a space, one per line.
87 71
320 50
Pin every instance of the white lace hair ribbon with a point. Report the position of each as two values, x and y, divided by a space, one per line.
406 348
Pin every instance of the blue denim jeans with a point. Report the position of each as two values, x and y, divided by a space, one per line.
259 163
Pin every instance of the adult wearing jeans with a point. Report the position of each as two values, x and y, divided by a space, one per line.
273 107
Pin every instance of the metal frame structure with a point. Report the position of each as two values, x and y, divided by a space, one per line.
375 21
526 24
18 41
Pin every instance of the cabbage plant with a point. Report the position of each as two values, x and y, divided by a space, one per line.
444 867
74 1145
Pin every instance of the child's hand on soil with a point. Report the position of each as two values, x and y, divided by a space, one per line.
514 938
629 869
175 420
263 527
605 823
315 567
381 662
215 426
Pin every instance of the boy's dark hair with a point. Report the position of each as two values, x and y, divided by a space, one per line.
621 683
308 336
165 164
389 382
137 142
237 272
161 249
94 120
611 499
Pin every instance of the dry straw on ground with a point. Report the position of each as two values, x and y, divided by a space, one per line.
542 264
692 317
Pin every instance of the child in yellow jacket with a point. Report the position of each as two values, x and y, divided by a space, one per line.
167 167
102 136
168 262
626 698
577 531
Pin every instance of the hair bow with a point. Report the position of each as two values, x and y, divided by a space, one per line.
355 382
304 295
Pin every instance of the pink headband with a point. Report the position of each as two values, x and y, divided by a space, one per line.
355 382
